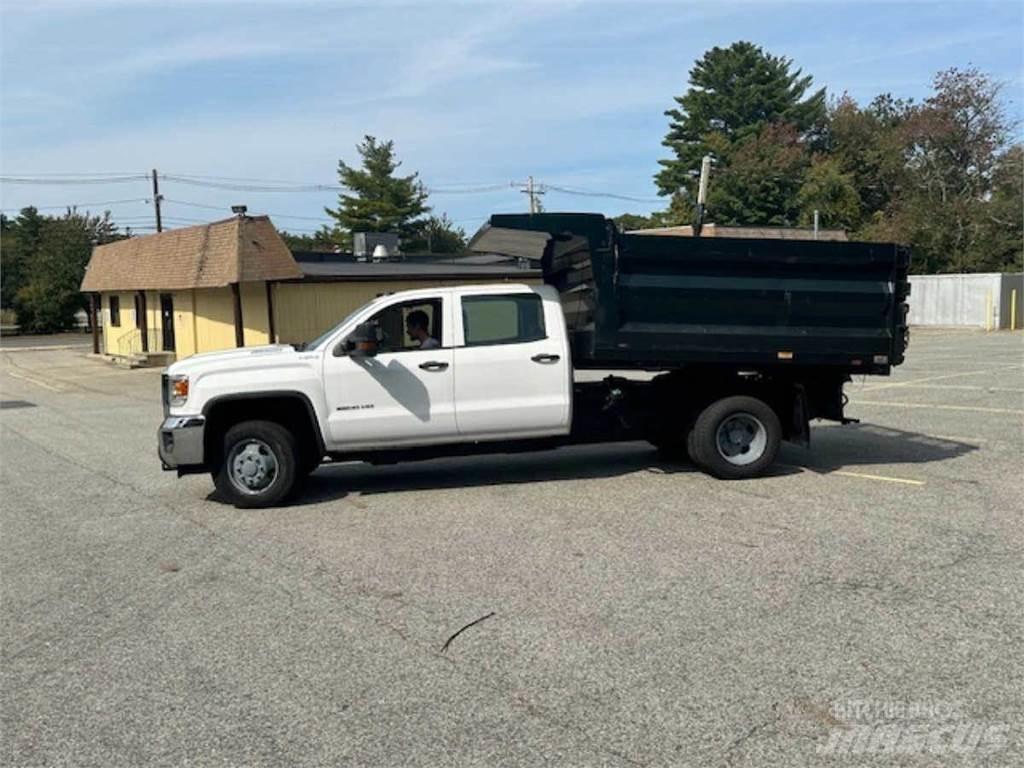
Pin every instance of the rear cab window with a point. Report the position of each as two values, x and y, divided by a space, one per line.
514 318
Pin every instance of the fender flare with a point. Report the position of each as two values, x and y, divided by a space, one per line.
292 394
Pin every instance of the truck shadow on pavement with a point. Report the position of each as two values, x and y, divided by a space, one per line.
837 447
832 448
331 482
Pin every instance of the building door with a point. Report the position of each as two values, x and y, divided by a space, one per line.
167 321
140 319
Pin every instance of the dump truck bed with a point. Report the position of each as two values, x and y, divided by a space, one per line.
644 301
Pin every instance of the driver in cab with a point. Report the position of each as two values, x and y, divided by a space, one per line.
417 325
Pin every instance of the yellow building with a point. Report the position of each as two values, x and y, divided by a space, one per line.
234 283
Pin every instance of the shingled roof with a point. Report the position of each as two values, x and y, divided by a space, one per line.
236 250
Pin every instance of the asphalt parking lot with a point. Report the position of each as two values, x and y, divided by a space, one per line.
643 613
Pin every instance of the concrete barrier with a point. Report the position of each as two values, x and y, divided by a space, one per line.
990 300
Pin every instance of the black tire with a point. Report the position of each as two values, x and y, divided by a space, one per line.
691 447
269 444
734 458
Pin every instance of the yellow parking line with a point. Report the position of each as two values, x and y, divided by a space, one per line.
861 475
974 408
959 437
864 476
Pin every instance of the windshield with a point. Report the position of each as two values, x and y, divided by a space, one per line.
323 337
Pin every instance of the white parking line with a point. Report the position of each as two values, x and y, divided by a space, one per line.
912 382
971 387
932 406
37 382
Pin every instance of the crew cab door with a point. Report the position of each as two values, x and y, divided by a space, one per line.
512 366
401 396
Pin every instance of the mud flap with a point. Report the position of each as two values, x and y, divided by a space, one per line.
800 424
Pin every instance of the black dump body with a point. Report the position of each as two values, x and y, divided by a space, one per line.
657 302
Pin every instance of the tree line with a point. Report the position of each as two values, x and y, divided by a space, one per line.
943 176
44 260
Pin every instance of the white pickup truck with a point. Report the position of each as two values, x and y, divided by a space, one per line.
495 376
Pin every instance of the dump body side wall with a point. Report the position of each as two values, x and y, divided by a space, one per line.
761 302
636 301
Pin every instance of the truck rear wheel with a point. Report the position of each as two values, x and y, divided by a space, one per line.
735 438
259 464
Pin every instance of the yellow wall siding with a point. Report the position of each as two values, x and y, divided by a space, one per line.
302 311
255 321
184 323
112 334
204 318
214 319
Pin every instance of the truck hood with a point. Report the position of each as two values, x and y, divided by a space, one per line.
234 359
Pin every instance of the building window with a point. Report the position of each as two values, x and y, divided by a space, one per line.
115 311
511 319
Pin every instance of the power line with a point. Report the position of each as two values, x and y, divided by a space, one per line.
275 215
254 184
73 173
67 180
81 205
252 187
613 195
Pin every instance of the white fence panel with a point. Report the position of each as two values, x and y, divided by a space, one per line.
980 301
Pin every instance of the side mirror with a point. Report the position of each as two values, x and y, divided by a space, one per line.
362 342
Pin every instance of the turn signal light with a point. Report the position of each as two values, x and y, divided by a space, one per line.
179 390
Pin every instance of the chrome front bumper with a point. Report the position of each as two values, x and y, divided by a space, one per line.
180 441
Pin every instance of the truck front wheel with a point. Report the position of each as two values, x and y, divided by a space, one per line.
259 464
735 438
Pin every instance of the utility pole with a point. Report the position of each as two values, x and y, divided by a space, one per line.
702 194
157 197
534 193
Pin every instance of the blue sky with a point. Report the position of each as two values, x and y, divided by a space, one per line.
473 93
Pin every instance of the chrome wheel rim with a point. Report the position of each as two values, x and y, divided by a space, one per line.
252 466
741 439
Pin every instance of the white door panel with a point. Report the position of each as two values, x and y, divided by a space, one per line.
401 396
390 399
501 390
505 387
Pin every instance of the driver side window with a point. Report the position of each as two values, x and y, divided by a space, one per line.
403 325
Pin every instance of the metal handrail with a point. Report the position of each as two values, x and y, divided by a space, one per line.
130 344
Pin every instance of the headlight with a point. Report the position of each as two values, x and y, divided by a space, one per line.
178 389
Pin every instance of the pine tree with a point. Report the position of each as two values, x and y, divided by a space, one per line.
734 93
376 199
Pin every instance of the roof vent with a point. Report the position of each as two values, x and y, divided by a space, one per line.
364 245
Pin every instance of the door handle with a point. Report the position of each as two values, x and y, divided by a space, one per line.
545 358
434 365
